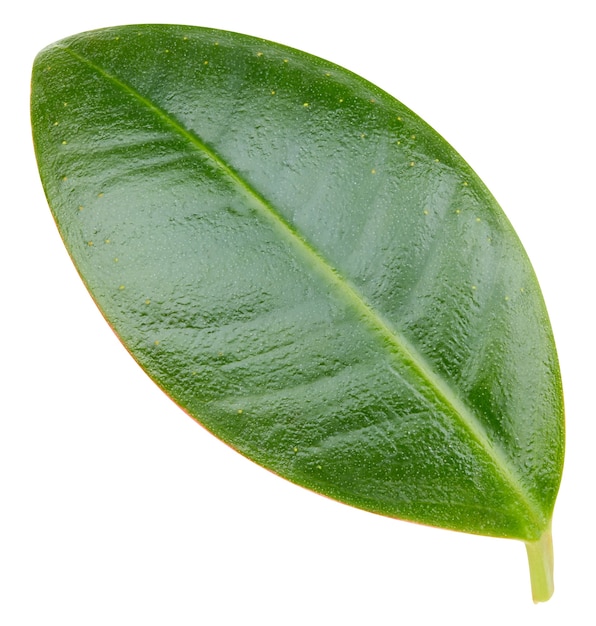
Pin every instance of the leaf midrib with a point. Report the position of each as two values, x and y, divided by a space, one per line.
408 351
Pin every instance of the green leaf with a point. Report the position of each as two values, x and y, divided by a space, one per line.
310 271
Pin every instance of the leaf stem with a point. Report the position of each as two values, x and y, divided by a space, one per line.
541 562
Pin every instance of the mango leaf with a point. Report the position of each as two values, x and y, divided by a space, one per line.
310 271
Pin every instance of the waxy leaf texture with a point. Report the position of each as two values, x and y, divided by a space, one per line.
310 271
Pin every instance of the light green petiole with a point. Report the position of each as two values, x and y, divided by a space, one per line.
541 562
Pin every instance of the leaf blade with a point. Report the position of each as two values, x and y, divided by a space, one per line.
386 321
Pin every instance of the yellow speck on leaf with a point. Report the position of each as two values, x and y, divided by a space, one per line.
373 171
478 219
306 104
240 411
473 287
147 301
425 211
259 54
412 163
156 342
205 62
89 243
64 179
121 287
465 183
100 194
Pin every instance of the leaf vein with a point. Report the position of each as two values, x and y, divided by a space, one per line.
391 335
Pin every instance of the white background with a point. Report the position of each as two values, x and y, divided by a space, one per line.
116 508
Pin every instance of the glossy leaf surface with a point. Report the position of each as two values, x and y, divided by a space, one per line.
308 269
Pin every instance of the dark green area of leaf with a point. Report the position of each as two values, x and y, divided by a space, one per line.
308 269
